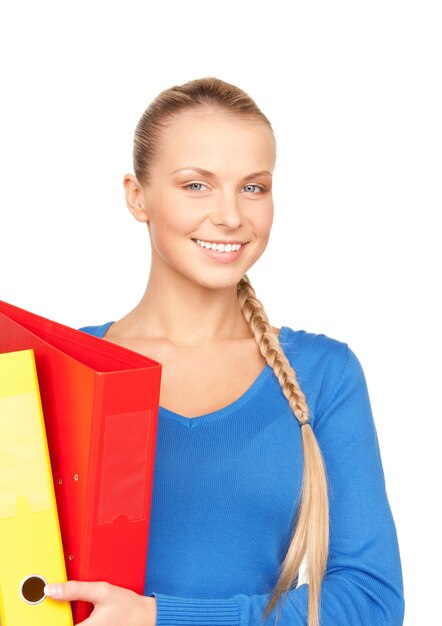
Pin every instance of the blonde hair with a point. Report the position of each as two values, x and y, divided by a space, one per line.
311 530
310 534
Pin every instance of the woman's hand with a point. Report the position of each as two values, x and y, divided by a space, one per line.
113 606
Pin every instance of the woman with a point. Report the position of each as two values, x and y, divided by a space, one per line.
242 493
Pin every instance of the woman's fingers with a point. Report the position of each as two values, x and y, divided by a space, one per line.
76 590
113 606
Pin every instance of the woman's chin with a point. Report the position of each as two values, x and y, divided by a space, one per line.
218 280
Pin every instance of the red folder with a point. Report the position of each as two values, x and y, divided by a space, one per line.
100 405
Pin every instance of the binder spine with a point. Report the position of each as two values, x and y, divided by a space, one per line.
31 553
89 556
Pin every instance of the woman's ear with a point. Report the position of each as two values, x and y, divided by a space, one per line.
135 198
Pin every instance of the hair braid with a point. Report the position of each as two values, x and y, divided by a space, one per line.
311 530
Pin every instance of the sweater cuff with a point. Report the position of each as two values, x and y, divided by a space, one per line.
173 611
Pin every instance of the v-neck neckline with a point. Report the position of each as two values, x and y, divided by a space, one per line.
235 405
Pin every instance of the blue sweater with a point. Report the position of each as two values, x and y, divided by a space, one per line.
226 492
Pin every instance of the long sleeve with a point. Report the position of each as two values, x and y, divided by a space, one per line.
363 581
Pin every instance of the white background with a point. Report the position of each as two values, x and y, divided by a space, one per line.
353 90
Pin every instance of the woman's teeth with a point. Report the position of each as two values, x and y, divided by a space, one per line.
219 247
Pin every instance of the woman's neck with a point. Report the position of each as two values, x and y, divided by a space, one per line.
187 313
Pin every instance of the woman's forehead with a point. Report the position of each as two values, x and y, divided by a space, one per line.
206 135
213 117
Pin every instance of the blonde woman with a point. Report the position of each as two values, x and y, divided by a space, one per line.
267 455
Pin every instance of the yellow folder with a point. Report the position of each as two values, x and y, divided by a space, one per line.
31 553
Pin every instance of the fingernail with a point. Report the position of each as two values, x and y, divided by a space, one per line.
53 591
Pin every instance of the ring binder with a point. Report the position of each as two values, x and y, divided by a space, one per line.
31 552
100 404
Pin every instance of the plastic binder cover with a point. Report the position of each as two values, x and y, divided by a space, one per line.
100 404
31 553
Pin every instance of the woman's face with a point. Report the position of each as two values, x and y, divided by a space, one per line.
208 202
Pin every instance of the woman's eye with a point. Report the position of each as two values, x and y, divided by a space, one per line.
252 188
194 186
200 187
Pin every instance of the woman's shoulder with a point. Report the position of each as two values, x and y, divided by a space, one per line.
312 346
321 363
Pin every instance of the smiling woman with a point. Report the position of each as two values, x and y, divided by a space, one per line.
240 496
221 203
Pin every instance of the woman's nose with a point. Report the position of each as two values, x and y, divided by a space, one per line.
227 211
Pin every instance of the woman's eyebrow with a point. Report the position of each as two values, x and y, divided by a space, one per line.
208 174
